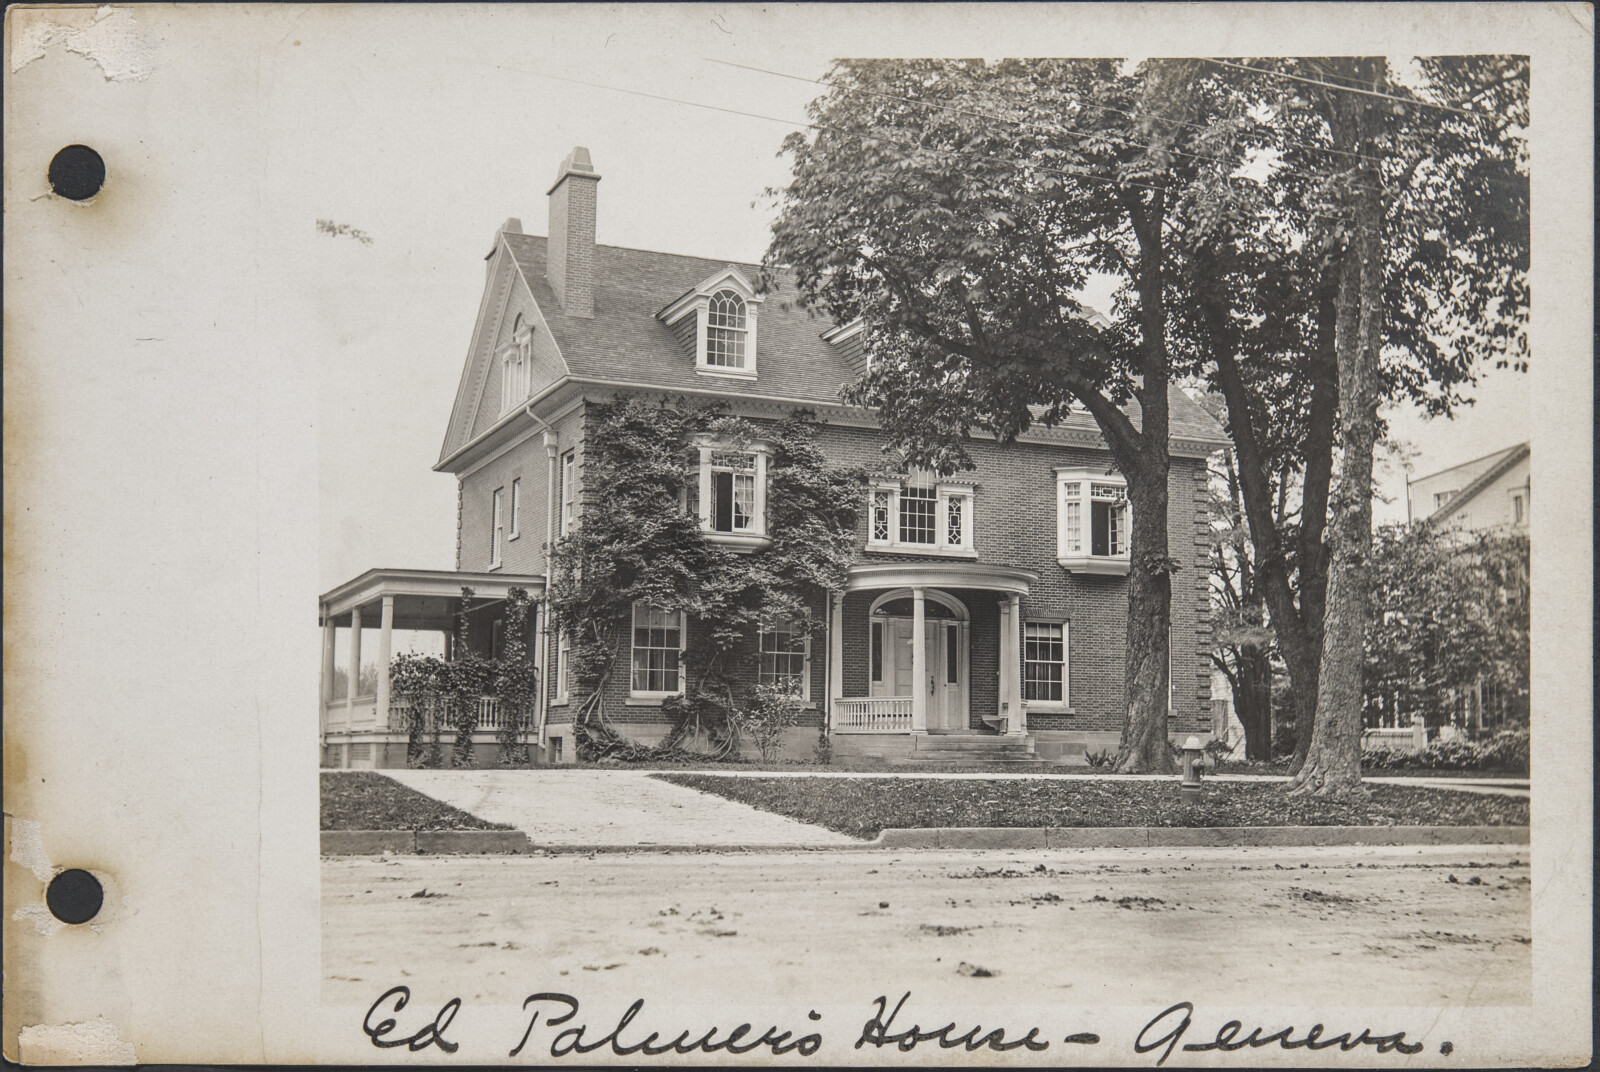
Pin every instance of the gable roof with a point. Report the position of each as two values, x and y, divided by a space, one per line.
626 342
1509 459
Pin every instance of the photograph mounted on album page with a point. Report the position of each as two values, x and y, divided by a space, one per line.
855 535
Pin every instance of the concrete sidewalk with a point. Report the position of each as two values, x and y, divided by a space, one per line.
612 807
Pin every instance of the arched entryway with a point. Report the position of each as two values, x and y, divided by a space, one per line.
945 663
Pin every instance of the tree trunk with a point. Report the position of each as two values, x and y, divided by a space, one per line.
1144 748
1332 767
1252 701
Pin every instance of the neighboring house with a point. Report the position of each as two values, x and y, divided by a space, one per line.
1486 493
986 612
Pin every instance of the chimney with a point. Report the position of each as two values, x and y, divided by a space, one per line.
569 264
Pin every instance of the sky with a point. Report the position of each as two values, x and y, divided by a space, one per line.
458 122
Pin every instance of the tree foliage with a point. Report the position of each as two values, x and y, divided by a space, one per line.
636 542
1449 616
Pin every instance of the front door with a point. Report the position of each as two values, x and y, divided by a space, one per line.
944 682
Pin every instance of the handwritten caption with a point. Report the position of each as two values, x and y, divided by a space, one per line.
884 1027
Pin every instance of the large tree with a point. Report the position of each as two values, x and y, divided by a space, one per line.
1361 184
958 208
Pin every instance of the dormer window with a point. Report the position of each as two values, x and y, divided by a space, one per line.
716 325
725 330
1093 531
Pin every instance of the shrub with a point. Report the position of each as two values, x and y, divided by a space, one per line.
774 708
1505 752
1098 759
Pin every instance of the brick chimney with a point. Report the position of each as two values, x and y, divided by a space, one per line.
569 265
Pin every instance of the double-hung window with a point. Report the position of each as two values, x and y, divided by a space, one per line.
563 667
1044 663
497 526
516 508
569 491
728 494
786 657
920 515
1092 520
657 652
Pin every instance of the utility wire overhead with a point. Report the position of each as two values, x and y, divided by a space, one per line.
1348 89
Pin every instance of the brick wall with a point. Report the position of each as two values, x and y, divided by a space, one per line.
1014 523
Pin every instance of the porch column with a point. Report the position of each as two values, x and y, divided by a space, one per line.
329 630
919 664
836 646
1017 724
1007 665
352 676
385 636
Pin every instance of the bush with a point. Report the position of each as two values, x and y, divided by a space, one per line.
1505 752
1098 759
775 708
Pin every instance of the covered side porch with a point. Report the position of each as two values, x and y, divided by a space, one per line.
360 724
928 649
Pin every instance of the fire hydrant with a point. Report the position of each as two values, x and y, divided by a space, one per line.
1194 759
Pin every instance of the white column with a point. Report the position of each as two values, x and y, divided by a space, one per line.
836 645
385 638
1017 725
919 664
1007 665
329 630
353 675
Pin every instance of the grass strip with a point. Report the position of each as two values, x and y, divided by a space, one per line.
861 807
364 800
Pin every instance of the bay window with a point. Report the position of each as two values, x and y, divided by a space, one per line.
1093 521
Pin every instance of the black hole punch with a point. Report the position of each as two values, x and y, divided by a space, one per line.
74 896
77 173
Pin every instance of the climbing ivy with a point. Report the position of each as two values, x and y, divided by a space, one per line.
637 541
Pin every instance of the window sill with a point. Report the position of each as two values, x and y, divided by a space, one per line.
514 536
493 566
739 541
922 549
650 701
564 701
1109 567
727 374
1045 707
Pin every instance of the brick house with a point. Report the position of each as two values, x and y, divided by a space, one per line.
985 614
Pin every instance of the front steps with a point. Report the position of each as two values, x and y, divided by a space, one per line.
936 750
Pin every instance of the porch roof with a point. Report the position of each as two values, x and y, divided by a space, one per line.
422 595
992 578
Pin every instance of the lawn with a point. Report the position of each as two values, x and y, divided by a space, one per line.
863 806
363 800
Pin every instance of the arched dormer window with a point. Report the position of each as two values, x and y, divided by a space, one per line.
725 330
715 323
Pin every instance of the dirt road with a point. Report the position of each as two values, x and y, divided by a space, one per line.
1396 926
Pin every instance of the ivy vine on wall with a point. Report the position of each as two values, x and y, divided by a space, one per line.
637 541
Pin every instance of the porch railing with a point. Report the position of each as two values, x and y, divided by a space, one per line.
490 714
872 714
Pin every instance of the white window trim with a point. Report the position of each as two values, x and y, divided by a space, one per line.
755 537
805 673
1063 705
516 508
569 491
944 491
496 526
654 696
516 371
1081 560
564 668
697 303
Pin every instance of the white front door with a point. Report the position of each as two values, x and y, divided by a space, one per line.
944 681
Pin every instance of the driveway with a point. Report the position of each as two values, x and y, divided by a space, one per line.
612 807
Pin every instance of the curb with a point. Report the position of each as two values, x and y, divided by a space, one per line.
1109 837
485 842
